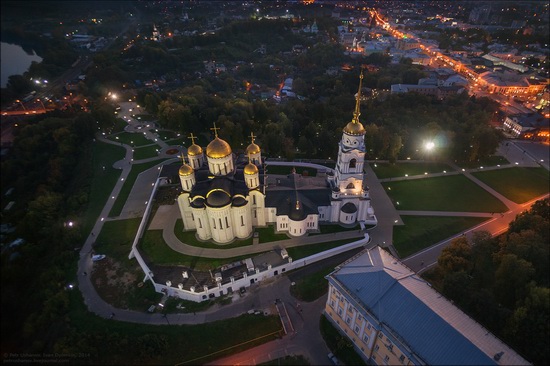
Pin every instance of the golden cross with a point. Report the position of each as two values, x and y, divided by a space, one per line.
215 129
252 136
192 138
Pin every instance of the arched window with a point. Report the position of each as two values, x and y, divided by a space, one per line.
352 163
350 186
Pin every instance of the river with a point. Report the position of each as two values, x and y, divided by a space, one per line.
15 61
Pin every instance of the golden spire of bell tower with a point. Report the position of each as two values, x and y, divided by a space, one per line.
252 137
357 111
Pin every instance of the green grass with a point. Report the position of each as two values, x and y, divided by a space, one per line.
485 162
285 170
153 247
103 181
448 193
128 185
102 341
116 237
420 232
132 139
311 287
166 135
386 170
268 234
517 184
146 152
341 346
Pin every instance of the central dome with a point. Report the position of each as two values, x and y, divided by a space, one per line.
218 148
354 128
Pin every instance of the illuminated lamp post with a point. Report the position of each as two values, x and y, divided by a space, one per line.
22 105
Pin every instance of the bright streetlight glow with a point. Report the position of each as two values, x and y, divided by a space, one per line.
429 145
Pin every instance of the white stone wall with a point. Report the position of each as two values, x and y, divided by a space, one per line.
221 223
221 166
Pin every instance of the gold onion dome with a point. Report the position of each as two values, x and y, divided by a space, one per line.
194 150
218 148
250 169
185 169
253 149
354 128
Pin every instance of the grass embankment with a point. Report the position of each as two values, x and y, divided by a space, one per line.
517 184
420 232
448 193
387 170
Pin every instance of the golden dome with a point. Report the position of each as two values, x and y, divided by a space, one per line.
354 128
194 150
250 169
218 148
185 170
252 149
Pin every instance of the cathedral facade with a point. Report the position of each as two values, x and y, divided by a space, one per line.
224 196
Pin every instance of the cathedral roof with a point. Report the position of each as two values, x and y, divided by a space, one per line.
218 148
185 170
250 169
194 150
252 149
354 128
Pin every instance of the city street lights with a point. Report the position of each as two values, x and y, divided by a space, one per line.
22 105
43 107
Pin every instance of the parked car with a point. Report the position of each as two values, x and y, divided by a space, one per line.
98 257
333 359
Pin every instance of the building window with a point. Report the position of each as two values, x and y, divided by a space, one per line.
352 163
214 223
348 320
369 326
221 226
226 222
402 358
366 338
380 335
356 329
242 221
253 199
386 359
332 304
200 223
350 186
376 348
340 312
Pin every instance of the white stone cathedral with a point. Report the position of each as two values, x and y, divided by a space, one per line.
226 196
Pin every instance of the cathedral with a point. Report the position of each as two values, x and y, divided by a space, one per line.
225 196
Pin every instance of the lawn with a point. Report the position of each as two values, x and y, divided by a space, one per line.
146 152
144 117
95 340
420 232
132 139
517 184
153 247
447 193
103 181
485 162
311 287
166 134
116 238
387 170
129 184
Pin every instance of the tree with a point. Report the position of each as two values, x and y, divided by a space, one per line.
511 279
456 257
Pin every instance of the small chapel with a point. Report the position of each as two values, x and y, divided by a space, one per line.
225 195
